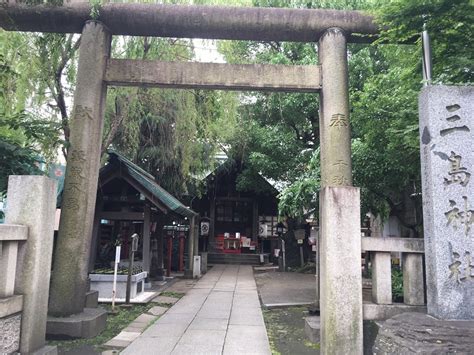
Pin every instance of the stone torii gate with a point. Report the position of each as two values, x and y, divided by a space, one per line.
341 290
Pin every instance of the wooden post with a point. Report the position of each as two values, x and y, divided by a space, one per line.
146 238
212 222
71 261
170 255
255 221
95 234
181 252
188 273
160 271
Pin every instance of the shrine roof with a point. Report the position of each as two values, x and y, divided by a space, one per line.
147 182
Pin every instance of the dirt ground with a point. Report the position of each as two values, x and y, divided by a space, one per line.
291 288
285 327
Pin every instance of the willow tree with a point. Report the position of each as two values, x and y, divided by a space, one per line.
173 134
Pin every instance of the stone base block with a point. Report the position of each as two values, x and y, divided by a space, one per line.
341 279
46 350
87 324
312 328
374 311
92 299
203 262
418 333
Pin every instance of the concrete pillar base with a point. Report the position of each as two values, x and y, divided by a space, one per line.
160 274
88 324
341 279
46 350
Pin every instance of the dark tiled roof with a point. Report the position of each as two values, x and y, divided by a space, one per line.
148 183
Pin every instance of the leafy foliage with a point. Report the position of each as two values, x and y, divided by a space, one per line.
281 131
173 134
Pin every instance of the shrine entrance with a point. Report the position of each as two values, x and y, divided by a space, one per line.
341 289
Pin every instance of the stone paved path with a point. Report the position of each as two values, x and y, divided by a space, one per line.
221 314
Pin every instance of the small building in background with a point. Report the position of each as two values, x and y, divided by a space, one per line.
130 200
234 222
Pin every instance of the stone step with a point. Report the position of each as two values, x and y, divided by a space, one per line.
242 259
92 299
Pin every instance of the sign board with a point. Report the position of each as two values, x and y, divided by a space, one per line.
205 226
135 242
300 234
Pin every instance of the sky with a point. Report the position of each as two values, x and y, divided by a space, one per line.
206 51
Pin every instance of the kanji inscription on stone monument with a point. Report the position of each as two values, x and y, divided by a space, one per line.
461 269
457 174
339 120
457 216
447 157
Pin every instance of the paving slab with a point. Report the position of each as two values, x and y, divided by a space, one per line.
221 314
247 318
165 300
203 349
113 343
166 330
135 327
244 339
145 319
127 336
201 323
151 346
175 318
200 337
157 310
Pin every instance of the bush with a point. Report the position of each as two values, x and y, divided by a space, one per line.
121 270
397 284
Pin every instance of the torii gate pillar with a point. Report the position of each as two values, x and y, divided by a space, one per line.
70 267
340 247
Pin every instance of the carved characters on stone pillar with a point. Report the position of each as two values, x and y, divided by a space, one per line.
82 112
76 178
457 217
457 174
453 121
339 180
339 120
461 270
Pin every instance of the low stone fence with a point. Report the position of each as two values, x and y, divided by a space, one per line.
26 245
11 305
412 249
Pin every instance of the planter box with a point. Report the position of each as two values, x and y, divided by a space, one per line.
103 284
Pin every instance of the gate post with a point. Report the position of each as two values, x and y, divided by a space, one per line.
32 203
340 255
188 273
70 273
